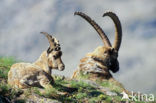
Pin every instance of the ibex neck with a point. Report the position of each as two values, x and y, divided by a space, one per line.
42 62
93 68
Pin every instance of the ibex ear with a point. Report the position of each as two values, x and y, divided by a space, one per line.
114 52
112 49
94 58
49 50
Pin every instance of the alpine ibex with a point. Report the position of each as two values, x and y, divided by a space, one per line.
103 58
24 75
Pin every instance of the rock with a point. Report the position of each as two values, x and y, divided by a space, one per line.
111 93
34 98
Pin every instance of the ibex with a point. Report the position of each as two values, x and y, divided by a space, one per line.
25 75
103 58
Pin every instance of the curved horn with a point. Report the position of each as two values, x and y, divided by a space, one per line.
50 39
118 29
96 27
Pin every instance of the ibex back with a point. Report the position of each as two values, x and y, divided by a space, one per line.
24 75
103 58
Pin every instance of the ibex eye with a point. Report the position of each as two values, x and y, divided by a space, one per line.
105 52
54 56
52 39
57 48
57 44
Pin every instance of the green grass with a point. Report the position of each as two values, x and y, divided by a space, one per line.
77 91
5 64
82 76
80 85
7 91
111 85
7 61
64 90
20 101
85 91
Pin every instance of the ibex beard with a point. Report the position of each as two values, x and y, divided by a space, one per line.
38 74
98 63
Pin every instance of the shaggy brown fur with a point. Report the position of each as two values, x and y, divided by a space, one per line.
24 75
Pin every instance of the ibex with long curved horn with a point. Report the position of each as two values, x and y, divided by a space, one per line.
103 58
24 75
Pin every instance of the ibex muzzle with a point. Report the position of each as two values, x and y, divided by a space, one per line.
55 61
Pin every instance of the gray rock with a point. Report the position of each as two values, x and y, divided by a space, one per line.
38 99
111 93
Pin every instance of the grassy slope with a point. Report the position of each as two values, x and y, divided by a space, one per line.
5 64
64 90
5 90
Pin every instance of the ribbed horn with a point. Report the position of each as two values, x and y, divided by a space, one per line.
96 27
118 29
50 39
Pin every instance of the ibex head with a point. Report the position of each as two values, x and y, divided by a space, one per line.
106 55
54 53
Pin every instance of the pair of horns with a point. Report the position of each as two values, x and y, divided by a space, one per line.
52 41
118 29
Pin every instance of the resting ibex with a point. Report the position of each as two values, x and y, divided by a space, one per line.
24 75
103 58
